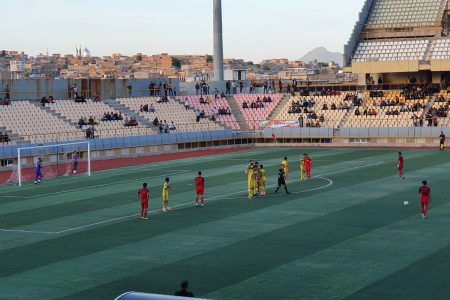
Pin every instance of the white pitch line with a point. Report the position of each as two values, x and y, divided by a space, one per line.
18 197
108 184
27 231
212 199
330 183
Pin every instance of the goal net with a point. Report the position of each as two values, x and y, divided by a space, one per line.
43 162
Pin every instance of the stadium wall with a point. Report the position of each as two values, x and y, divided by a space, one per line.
32 89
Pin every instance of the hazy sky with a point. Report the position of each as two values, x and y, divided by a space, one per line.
253 29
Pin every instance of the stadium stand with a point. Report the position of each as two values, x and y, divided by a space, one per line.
170 111
441 49
391 50
390 109
404 13
261 109
34 125
218 108
104 128
316 111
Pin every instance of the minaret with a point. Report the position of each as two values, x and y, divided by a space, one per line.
218 41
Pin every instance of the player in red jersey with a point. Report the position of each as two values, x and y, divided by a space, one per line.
400 166
425 198
143 196
199 188
308 163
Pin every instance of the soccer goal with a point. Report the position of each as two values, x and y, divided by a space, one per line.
55 160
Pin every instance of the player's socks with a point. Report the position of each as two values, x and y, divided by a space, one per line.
276 191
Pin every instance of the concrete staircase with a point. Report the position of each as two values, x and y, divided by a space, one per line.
345 117
58 115
279 107
126 111
234 106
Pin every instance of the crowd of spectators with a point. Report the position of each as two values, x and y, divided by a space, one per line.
130 122
162 99
84 121
258 104
164 126
45 100
110 116
147 108
301 106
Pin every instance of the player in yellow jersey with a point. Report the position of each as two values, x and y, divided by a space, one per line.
262 180
250 184
302 168
256 179
285 167
165 195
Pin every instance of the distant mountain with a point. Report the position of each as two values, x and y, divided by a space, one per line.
323 55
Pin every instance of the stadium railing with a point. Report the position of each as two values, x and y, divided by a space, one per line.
56 137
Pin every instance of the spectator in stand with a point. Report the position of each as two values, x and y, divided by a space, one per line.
184 290
202 100
186 104
81 122
357 112
160 127
166 126
7 92
245 105
96 99
228 87
197 116
197 88
155 121
300 121
241 86
75 91
106 117
130 89
152 109
333 106
172 126
44 101
321 119
222 95
234 87
216 93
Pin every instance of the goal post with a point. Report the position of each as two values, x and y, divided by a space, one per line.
27 158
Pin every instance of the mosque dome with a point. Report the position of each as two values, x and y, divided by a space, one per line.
86 52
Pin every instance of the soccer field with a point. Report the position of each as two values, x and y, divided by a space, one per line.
343 235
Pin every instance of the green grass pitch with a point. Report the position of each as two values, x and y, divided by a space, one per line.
343 235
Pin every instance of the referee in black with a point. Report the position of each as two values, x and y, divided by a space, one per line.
281 181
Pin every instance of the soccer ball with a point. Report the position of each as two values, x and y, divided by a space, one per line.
406 203
74 172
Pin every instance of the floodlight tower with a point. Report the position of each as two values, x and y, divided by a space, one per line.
218 41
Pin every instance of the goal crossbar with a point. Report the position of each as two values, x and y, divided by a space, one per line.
21 149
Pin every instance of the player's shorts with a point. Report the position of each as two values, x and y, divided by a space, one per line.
165 197
144 204
281 182
39 174
424 200
200 191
